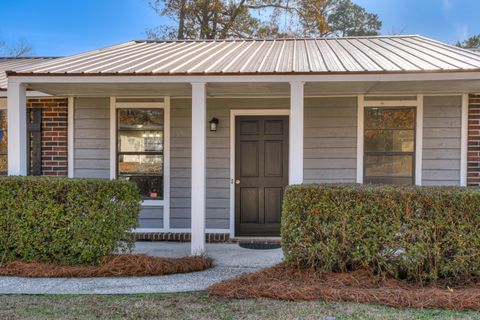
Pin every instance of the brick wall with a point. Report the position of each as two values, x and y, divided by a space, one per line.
54 124
181 237
473 164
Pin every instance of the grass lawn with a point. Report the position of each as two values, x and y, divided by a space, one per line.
199 306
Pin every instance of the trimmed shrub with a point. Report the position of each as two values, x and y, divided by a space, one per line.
415 233
66 221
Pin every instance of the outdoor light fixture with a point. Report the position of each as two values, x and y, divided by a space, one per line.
213 124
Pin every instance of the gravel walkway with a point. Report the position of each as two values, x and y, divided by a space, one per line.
230 261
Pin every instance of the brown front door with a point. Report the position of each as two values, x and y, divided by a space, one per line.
261 173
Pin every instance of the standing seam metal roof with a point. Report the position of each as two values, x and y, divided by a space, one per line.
12 63
326 55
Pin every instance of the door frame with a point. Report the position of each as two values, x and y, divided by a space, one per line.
233 114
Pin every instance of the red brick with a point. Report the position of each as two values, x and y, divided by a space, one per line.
54 134
473 160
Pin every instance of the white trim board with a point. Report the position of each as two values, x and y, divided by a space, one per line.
360 132
464 142
419 141
71 137
243 112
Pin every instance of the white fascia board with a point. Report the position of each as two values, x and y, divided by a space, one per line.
280 78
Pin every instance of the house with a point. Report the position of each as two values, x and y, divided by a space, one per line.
213 131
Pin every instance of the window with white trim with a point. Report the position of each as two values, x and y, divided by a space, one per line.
389 145
140 149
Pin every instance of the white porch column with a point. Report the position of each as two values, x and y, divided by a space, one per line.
199 118
295 168
17 129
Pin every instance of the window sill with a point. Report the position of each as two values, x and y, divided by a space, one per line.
152 203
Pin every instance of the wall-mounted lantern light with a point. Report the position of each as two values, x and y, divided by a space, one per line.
213 124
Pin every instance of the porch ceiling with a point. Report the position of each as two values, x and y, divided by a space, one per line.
258 89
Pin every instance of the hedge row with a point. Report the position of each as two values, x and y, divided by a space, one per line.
416 233
66 221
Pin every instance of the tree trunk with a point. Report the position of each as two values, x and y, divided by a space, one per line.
181 21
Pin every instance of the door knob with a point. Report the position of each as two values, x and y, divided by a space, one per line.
237 181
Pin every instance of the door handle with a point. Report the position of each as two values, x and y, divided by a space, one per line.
237 181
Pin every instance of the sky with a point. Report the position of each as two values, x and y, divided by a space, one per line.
64 27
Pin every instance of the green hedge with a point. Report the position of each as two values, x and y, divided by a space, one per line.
66 221
416 233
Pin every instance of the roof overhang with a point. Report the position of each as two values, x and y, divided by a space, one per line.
276 77
255 85
30 93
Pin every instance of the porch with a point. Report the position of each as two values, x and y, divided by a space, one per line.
324 120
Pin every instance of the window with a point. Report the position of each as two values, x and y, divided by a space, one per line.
3 143
389 145
140 149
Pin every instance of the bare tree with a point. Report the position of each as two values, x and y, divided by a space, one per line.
21 48
220 19
212 19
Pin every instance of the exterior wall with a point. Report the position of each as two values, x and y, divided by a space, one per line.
441 140
54 126
330 140
151 217
218 158
330 148
473 162
92 138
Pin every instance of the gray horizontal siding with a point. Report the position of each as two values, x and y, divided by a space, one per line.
180 163
441 140
151 217
330 140
218 158
92 137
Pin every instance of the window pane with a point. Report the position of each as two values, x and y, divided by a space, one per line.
389 140
140 119
140 165
388 118
389 166
140 131
150 187
140 141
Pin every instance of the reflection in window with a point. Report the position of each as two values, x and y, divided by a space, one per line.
140 149
389 145
3 143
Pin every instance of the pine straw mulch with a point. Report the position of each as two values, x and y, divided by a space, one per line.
280 282
125 265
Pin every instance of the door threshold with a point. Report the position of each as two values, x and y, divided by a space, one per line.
255 239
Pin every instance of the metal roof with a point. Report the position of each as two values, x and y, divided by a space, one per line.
12 63
476 50
227 57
